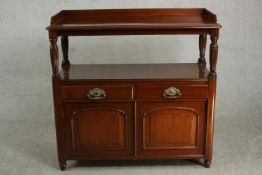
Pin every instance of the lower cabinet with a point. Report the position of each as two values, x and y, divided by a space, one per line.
142 130
170 129
98 130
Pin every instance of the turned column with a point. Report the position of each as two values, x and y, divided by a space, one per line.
213 52
54 54
59 121
212 79
64 44
202 50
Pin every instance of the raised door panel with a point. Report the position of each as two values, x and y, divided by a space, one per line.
99 129
171 129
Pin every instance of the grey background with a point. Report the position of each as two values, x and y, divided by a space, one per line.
27 131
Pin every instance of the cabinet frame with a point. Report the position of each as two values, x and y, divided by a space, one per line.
99 22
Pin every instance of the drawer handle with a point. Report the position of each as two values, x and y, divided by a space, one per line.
172 92
96 94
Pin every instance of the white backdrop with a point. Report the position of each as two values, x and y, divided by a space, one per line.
25 70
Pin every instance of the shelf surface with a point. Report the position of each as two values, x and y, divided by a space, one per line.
180 71
133 19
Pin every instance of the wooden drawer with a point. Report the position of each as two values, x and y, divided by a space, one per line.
171 91
98 93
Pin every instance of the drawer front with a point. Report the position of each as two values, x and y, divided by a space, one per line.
97 93
171 91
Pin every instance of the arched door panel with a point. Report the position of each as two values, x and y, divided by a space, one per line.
170 129
99 129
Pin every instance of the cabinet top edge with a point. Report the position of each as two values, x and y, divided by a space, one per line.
146 19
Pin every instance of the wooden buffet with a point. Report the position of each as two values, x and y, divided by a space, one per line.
134 111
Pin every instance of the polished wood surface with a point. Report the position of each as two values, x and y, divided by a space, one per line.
202 50
210 120
180 128
213 52
88 126
135 111
64 46
133 91
174 71
170 128
113 92
117 19
149 92
99 129
133 22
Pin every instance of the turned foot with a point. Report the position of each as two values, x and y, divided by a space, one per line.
207 163
62 166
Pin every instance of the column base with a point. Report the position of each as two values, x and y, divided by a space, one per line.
207 163
62 166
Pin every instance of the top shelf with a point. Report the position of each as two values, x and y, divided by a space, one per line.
133 19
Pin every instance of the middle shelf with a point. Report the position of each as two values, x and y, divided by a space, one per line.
130 72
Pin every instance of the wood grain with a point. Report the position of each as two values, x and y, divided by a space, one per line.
175 71
113 92
99 130
170 128
135 19
148 92
134 121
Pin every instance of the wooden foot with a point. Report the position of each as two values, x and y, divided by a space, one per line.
207 163
62 166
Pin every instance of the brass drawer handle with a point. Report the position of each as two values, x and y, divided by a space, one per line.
96 94
172 92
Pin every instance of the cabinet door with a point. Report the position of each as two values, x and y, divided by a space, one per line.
99 129
170 129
